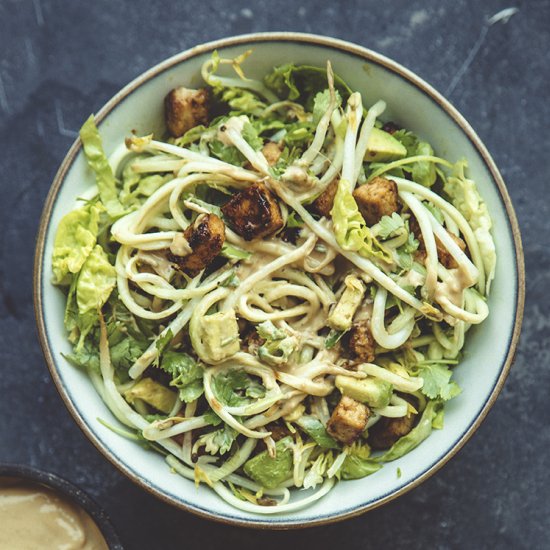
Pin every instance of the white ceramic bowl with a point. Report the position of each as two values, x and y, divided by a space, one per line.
412 103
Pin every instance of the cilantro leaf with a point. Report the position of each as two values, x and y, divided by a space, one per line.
219 441
212 418
234 388
321 103
186 374
437 381
390 224
161 344
404 252
408 139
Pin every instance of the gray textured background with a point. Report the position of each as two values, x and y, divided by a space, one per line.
61 60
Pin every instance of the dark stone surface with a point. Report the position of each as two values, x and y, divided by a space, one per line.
60 60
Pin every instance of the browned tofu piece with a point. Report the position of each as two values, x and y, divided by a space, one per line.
388 430
253 213
205 237
445 258
376 199
348 420
184 109
361 342
272 152
322 205
443 254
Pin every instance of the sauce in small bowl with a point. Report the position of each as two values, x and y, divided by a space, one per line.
41 510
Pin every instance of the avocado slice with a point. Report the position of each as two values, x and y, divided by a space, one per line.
340 318
271 472
374 392
153 394
220 335
383 147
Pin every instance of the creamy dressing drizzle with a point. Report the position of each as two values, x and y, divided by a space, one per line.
453 288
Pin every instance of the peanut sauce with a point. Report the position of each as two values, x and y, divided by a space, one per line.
33 516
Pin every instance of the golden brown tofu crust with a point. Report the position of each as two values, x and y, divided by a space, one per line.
348 420
388 430
361 342
253 213
184 109
205 237
272 152
445 258
443 254
376 199
322 205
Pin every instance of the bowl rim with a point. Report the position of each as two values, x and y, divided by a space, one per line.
71 491
367 55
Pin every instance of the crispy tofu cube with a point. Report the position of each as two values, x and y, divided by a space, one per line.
253 213
445 258
443 254
272 152
388 430
376 199
322 205
184 109
205 237
361 342
348 420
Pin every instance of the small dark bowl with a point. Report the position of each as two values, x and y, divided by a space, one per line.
76 495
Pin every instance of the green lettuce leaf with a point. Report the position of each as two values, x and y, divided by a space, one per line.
358 464
466 198
192 135
418 434
241 101
75 239
423 172
302 83
186 374
95 283
97 160
136 187
350 229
